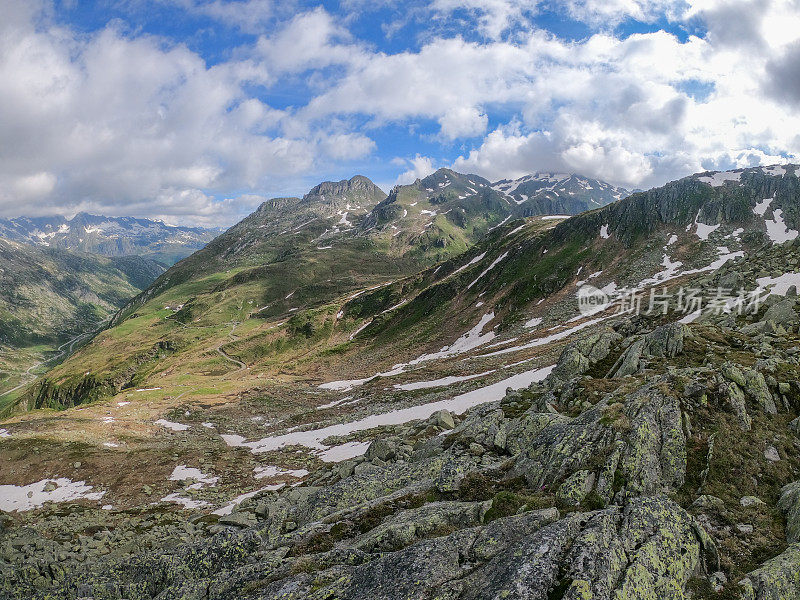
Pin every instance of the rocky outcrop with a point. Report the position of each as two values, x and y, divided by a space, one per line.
578 357
641 435
663 342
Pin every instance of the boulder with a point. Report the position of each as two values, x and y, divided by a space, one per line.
782 314
789 503
776 579
579 356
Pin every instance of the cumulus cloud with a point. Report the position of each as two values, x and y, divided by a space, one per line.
124 122
114 121
420 167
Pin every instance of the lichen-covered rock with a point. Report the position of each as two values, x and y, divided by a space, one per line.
756 389
453 473
732 373
790 504
782 313
648 550
663 341
410 526
649 423
738 405
579 356
776 579
443 419
382 449
576 487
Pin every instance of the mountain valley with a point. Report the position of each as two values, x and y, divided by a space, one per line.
355 394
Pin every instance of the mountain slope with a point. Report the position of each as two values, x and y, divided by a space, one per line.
108 236
295 267
372 448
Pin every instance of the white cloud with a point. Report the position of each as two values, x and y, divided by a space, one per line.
311 39
494 17
32 187
463 122
420 167
125 122
118 122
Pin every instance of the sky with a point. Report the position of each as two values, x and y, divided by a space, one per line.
196 111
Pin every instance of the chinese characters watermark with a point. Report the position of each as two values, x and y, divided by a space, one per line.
686 300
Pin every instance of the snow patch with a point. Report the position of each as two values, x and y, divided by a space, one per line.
20 498
265 471
703 231
489 268
184 473
719 178
172 426
444 381
534 322
475 260
777 230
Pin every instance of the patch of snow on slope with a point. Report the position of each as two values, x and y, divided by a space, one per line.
172 426
534 322
470 340
671 271
761 208
489 268
703 230
342 452
188 503
777 230
184 473
475 260
20 498
444 381
775 170
263 472
503 222
228 508
718 179
778 286
604 232
547 339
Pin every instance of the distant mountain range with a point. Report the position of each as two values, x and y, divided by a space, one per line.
558 193
109 236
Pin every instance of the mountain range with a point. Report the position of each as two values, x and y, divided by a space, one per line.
365 395
109 236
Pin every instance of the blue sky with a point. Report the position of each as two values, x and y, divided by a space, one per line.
195 111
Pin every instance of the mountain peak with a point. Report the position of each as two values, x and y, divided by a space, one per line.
357 184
